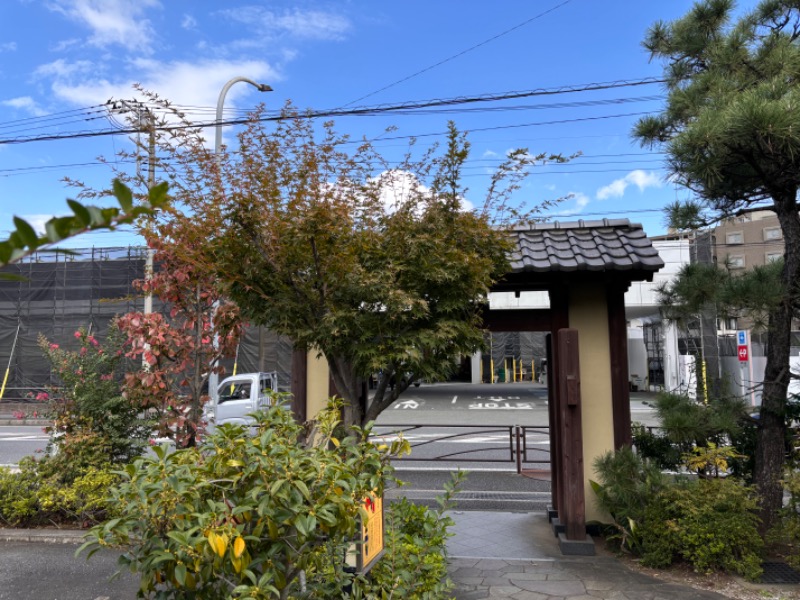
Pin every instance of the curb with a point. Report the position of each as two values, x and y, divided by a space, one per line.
5 421
43 536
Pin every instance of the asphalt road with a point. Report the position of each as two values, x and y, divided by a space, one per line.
37 571
473 419
17 441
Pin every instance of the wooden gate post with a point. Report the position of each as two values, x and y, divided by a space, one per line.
573 513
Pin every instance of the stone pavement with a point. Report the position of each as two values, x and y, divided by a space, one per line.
515 556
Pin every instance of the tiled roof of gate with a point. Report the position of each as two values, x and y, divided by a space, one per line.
607 245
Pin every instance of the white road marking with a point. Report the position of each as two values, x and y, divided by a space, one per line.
454 399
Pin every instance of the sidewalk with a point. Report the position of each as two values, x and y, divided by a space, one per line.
511 555
516 556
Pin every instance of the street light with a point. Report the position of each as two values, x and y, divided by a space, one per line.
261 87
213 378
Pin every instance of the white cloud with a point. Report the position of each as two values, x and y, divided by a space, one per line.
25 103
397 187
8 47
188 22
311 24
490 154
61 69
639 178
196 84
112 21
37 221
581 200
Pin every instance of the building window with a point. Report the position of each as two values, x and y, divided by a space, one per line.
736 262
727 324
773 256
734 237
772 233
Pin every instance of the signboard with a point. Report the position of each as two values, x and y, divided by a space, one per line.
371 532
743 354
741 338
363 555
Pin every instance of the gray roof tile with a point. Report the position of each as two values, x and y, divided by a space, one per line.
607 245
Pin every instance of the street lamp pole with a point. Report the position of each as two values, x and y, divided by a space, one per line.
261 87
213 378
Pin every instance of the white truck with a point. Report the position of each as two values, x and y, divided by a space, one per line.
240 395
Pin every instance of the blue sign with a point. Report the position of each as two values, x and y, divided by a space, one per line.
741 337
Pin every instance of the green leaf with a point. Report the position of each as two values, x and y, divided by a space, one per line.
52 232
123 194
180 574
80 211
27 233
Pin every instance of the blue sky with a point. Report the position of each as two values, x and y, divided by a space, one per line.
62 60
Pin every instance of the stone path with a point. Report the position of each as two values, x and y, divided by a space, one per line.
515 556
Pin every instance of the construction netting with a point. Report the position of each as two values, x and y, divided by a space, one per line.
54 293
514 356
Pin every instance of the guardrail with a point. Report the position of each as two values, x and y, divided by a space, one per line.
516 446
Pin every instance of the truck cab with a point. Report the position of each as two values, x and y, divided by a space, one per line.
240 395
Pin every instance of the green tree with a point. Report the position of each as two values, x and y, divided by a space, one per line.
731 128
381 268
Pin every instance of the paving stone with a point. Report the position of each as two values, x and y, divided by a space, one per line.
526 595
513 569
465 572
471 595
496 580
502 591
553 588
528 576
490 564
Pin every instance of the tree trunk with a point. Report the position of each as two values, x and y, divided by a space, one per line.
770 449
384 398
347 385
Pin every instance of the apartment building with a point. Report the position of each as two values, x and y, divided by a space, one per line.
748 240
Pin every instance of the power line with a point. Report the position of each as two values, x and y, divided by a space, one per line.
362 111
462 53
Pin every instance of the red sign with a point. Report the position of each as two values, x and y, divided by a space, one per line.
743 354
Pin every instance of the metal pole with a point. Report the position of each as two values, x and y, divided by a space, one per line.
213 377
10 358
261 87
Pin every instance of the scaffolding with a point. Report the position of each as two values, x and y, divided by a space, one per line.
53 293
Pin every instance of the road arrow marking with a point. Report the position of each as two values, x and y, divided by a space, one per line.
406 404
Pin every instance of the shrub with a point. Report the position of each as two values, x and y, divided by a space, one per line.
90 404
242 516
36 495
627 483
414 566
656 448
710 524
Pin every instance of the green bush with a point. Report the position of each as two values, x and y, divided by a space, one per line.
36 496
656 448
244 516
414 566
89 403
627 483
710 524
